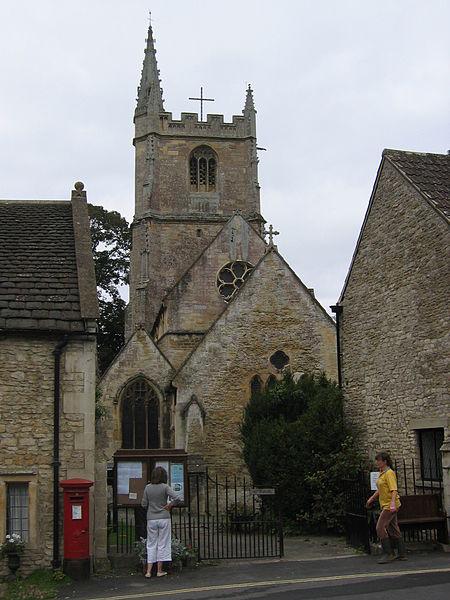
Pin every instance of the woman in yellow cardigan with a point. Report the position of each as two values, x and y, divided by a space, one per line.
388 530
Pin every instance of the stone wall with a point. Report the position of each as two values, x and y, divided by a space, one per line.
273 311
395 327
172 248
173 225
26 428
194 303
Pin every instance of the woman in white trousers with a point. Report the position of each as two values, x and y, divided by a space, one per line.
158 499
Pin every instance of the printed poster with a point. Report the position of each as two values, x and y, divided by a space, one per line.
127 470
177 478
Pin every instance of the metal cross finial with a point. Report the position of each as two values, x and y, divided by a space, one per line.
271 233
202 99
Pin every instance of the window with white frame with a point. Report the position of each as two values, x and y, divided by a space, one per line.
17 510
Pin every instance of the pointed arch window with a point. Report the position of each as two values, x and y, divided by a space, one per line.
255 386
202 170
140 416
271 382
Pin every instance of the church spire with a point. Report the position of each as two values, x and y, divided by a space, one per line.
249 111
150 98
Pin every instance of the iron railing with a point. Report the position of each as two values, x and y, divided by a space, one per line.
221 518
360 523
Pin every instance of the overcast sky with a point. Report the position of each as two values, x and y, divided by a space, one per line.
335 82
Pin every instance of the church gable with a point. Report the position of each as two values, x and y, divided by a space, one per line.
273 322
139 355
140 360
201 295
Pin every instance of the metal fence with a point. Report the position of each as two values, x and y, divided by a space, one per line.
223 517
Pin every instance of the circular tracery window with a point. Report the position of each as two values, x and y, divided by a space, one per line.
231 277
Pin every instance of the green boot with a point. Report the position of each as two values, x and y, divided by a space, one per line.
388 555
401 549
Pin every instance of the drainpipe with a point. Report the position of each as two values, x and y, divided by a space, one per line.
337 310
57 352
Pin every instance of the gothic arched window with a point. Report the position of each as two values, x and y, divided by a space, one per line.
202 170
140 416
255 386
271 382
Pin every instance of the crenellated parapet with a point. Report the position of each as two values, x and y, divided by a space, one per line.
190 125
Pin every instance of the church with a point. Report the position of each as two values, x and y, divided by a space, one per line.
215 312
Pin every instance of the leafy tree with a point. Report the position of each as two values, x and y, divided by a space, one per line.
295 438
111 245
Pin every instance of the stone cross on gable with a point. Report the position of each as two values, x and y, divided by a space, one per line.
271 233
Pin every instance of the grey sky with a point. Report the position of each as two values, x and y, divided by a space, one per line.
335 82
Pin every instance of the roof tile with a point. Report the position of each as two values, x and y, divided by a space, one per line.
429 172
38 268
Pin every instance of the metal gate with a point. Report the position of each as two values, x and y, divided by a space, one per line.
359 526
223 517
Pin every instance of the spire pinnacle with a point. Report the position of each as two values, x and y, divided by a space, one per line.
249 103
249 112
150 98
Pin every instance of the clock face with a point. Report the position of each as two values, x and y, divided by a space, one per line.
231 277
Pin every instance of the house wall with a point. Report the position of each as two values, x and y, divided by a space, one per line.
26 429
395 326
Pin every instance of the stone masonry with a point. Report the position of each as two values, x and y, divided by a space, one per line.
394 324
47 298
256 324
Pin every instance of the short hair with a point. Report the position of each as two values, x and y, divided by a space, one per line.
384 456
159 475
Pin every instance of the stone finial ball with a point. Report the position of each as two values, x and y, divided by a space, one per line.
79 186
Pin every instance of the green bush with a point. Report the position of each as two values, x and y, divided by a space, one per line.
295 439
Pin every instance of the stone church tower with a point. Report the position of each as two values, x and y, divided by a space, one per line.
215 312
191 177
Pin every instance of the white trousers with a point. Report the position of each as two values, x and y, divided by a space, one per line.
159 540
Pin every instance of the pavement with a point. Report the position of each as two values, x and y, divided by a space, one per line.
339 574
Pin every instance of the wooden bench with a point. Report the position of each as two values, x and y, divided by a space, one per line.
423 511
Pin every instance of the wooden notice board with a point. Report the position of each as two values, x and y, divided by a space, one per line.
132 470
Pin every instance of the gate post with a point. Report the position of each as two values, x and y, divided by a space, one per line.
280 524
445 450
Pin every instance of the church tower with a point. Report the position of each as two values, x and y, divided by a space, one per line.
191 176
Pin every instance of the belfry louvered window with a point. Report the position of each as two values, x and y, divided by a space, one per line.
140 416
202 170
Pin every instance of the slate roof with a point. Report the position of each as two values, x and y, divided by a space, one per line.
428 172
39 286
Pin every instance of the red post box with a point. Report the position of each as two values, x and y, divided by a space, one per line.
77 556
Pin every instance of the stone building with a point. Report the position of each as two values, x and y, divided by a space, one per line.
393 319
48 311
215 312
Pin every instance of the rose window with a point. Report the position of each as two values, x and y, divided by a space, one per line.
231 277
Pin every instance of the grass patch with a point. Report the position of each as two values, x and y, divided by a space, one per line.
42 584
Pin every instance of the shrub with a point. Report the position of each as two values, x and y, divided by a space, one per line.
295 439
